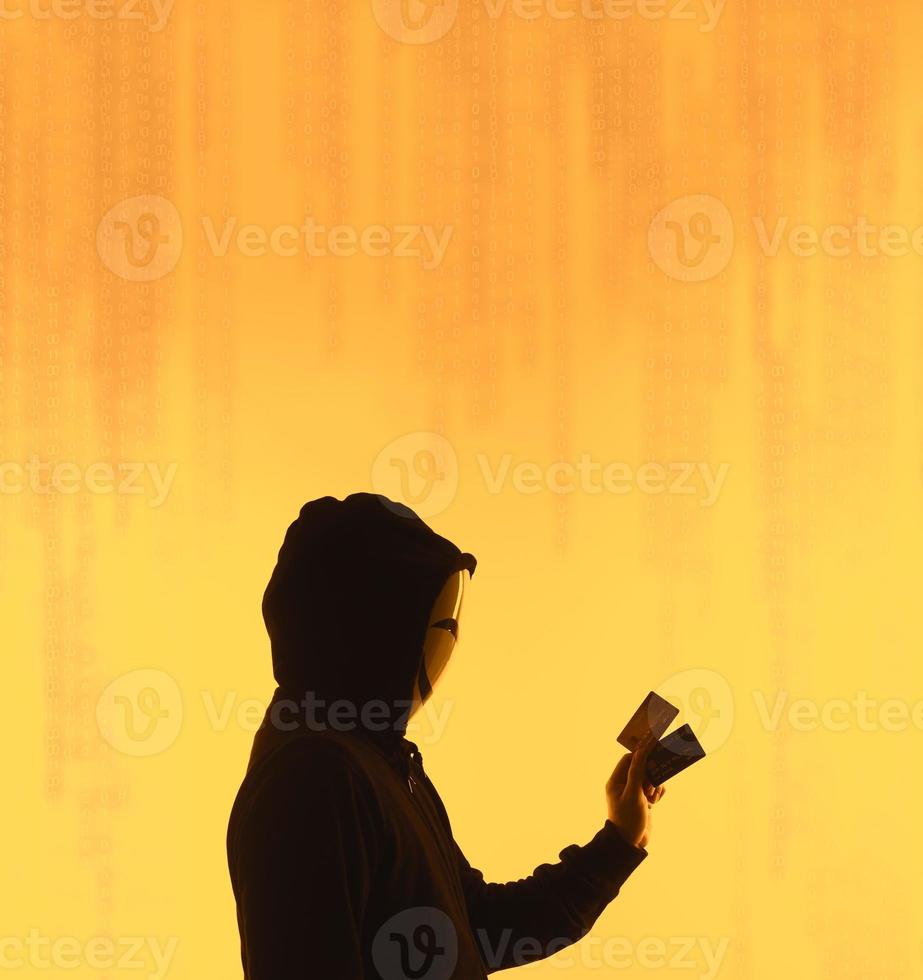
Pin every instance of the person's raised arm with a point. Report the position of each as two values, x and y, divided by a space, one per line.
521 921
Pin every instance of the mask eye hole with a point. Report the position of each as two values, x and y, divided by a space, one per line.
450 625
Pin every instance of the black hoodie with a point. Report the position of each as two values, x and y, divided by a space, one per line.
341 854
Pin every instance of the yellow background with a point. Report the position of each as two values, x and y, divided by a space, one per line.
549 331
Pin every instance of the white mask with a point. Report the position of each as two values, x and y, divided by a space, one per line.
442 635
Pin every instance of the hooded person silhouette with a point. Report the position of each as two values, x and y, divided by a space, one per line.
342 858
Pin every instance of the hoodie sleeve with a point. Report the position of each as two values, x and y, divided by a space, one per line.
526 920
302 858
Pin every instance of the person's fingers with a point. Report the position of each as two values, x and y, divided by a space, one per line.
660 791
636 778
619 775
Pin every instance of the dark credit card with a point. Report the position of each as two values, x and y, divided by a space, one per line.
673 754
652 718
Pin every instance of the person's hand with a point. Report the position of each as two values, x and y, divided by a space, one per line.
631 796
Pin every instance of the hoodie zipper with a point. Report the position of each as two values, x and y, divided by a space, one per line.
438 837
415 758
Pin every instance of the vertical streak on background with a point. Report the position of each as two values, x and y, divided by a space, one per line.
427 317
474 241
771 412
557 98
338 170
745 904
205 138
384 184
213 342
436 348
525 268
224 472
516 137
489 140
652 186
8 395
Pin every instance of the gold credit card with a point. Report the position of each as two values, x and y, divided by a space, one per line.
652 718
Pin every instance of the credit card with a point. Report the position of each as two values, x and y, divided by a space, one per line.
673 754
652 718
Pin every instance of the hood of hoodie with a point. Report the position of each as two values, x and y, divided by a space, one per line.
348 603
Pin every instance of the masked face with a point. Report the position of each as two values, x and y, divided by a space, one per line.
442 635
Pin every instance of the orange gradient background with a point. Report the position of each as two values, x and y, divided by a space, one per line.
564 321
